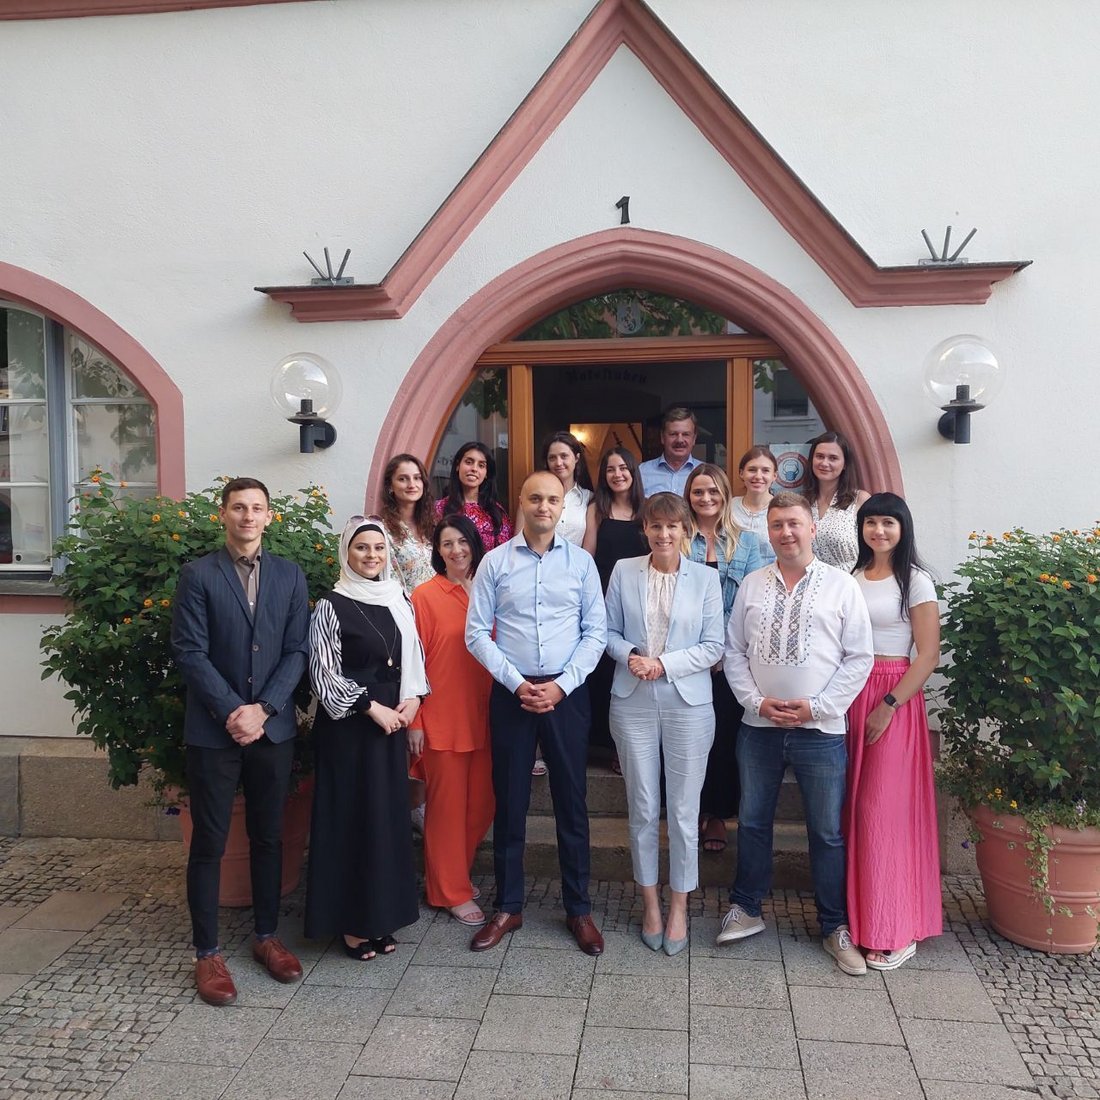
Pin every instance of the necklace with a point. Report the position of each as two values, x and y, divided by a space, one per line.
389 645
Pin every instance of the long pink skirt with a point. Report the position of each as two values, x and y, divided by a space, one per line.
890 822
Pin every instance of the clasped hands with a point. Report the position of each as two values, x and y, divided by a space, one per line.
788 713
246 723
539 698
645 668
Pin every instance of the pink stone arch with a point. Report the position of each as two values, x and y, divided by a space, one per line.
45 296
671 265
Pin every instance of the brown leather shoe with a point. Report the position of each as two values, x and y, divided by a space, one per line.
586 934
495 930
280 963
214 984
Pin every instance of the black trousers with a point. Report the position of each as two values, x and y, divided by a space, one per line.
722 787
263 769
563 735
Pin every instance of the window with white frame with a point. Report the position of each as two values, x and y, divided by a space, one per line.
65 409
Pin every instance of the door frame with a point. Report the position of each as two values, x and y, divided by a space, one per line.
522 357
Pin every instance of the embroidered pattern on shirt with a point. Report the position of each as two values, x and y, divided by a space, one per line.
786 620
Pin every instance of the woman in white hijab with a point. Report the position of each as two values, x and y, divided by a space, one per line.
366 666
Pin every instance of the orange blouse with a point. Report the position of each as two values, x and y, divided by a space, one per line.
455 716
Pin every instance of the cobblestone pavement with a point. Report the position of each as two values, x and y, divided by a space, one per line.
96 999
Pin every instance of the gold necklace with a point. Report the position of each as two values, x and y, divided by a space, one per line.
389 645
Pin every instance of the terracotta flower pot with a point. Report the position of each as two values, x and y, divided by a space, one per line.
235 891
1014 910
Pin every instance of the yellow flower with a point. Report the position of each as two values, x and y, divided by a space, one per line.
278 517
972 535
127 619
1012 805
1066 585
213 518
1007 536
156 517
997 791
147 603
1056 538
330 560
181 513
1044 577
165 603
175 537
1027 679
317 546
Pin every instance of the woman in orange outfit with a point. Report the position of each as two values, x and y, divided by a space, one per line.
454 720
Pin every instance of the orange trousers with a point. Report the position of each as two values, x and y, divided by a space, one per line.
457 814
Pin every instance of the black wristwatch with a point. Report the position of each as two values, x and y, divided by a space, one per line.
890 701
269 710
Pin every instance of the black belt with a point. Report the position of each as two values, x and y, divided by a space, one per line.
542 679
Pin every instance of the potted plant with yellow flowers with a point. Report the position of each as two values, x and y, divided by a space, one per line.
1021 729
122 557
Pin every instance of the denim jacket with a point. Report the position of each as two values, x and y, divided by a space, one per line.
746 558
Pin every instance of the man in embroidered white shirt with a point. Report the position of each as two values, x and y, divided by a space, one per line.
798 651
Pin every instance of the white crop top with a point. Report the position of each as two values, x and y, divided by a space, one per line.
893 635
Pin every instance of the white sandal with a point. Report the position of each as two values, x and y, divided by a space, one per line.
891 960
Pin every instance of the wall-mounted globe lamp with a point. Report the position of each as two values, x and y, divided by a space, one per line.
962 375
306 389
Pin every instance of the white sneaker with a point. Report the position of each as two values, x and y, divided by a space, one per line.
417 816
848 957
737 924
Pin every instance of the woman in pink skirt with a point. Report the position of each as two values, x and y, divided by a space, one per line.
890 816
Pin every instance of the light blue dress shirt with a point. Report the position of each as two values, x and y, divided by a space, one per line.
746 558
659 477
548 614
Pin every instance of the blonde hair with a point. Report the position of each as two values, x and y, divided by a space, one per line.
727 531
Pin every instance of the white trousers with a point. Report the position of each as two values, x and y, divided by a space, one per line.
652 719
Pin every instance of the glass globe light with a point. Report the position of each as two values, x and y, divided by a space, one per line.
304 376
964 360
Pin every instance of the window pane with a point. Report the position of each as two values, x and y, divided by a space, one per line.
24 443
94 375
120 439
22 355
24 527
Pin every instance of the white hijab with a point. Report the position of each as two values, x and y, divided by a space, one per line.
387 591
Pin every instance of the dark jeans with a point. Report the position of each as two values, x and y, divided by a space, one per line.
819 762
263 769
563 735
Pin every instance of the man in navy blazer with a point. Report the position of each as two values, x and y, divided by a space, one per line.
240 639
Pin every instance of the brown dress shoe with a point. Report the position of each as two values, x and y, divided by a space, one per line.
495 930
280 963
213 981
586 934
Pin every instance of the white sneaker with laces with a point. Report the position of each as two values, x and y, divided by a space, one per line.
737 924
848 957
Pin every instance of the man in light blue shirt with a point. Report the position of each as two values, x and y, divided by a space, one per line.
669 473
542 596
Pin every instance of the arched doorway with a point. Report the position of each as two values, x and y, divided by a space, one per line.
668 264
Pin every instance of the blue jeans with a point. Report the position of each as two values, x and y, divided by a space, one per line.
819 762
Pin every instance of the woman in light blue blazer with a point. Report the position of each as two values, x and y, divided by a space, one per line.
664 632
722 545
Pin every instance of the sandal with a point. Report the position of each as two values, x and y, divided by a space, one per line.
385 945
363 951
713 834
891 960
469 914
540 767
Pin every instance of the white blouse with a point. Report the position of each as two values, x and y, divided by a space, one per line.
893 635
837 541
574 515
660 589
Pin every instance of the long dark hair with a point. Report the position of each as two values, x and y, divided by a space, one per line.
847 485
580 473
486 491
465 526
423 516
605 497
904 558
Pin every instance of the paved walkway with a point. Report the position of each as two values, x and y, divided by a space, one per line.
96 1000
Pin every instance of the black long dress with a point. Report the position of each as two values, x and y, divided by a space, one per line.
362 876
615 539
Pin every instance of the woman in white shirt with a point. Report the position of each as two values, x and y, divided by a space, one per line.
832 488
757 470
890 814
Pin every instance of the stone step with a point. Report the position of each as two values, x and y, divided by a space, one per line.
610 848
607 795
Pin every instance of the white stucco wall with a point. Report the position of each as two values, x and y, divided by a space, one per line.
162 166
